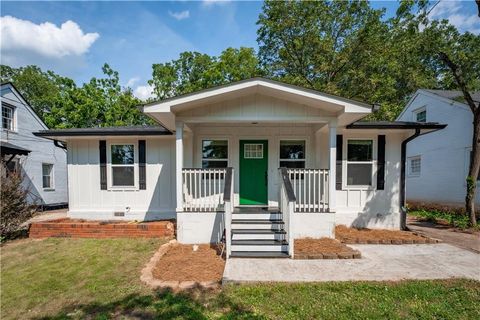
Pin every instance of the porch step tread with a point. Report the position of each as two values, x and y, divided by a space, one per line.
259 254
257 231
257 221
259 242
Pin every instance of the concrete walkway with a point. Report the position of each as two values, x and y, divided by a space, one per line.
458 238
46 216
378 263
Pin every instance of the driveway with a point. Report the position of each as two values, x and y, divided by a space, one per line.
458 238
378 263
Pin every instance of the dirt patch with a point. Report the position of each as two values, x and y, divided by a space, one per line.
373 236
324 248
182 263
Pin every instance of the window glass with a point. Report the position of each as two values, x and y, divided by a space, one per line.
292 153
253 151
123 176
47 175
214 153
122 154
359 162
415 166
421 116
359 174
7 117
360 150
123 165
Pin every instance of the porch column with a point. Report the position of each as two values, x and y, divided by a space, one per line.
332 130
179 164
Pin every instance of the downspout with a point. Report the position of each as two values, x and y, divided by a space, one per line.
403 207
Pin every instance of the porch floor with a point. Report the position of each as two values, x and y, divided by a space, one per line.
378 263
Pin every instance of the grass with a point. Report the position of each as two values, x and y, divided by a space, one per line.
457 220
99 279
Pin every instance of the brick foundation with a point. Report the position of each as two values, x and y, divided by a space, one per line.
66 228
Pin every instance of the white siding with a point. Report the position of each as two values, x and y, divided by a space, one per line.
42 151
88 201
444 154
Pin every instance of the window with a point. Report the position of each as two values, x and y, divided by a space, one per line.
47 175
7 117
415 166
214 153
253 151
359 162
123 165
292 153
421 115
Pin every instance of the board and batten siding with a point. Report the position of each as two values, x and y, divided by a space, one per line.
444 154
88 201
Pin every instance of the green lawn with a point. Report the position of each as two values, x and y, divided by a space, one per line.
99 279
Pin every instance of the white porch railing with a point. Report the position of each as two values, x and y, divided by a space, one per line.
287 205
203 189
310 187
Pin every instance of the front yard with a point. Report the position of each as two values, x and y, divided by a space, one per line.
89 278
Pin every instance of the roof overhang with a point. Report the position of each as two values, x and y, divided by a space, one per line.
424 127
11 149
165 111
67 134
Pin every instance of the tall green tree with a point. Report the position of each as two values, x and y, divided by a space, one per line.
194 71
60 103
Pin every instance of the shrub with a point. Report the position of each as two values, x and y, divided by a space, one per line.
14 207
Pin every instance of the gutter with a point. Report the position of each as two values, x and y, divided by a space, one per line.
403 206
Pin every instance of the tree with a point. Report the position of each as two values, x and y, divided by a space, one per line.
344 48
60 103
194 71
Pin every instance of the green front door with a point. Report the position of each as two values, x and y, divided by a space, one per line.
253 172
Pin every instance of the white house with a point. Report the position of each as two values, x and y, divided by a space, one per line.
42 162
214 165
438 162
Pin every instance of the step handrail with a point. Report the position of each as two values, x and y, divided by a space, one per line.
287 207
228 210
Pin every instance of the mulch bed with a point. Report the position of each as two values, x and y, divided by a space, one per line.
324 248
373 236
182 263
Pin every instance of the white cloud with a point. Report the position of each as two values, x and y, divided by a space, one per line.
144 92
44 39
180 15
209 3
131 82
457 15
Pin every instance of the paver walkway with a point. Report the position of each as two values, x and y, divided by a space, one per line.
378 263
469 241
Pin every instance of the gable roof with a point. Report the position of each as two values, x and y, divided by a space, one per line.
454 94
165 111
22 100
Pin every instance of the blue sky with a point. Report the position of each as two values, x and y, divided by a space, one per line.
76 38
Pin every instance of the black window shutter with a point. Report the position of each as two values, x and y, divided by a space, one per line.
103 164
142 172
338 177
381 163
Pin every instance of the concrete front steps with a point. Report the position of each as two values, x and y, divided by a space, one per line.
258 233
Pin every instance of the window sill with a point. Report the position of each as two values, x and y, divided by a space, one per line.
126 188
48 189
361 188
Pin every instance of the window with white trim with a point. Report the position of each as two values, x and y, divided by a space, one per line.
420 115
359 162
214 154
122 165
292 153
47 175
414 166
8 117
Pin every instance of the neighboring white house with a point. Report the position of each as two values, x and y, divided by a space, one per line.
43 164
214 166
437 164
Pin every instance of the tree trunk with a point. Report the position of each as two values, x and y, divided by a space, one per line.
473 170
